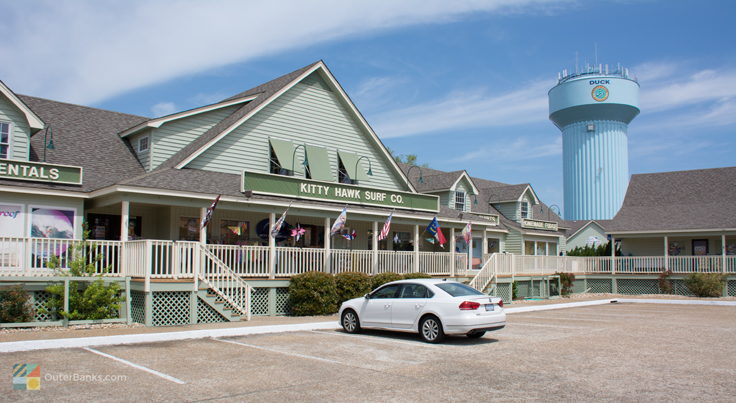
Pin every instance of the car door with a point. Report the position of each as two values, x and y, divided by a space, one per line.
376 310
410 304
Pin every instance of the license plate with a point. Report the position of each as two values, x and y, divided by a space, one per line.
489 307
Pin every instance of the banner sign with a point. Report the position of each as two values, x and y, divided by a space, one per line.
40 172
301 188
538 224
12 220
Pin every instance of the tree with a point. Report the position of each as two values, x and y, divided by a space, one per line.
409 159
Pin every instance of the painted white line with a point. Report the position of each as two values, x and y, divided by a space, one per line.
380 341
548 307
514 324
309 357
136 366
570 318
675 301
79 342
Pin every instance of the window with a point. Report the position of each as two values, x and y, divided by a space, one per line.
525 209
4 140
458 289
143 144
275 167
389 291
460 200
415 291
342 173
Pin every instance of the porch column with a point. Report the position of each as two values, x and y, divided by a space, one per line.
614 283
666 253
271 247
124 219
470 253
202 230
327 245
416 249
374 247
452 251
723 254
484 247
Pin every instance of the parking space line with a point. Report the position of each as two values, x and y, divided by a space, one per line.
379 341
309 357
136 366
541 325
570 318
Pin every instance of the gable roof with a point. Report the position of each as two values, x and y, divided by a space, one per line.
576 226
34 122
434 180
702 199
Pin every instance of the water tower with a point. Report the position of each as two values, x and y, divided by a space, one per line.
593 109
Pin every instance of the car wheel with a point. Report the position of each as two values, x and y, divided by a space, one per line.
476 335
430 329
350 321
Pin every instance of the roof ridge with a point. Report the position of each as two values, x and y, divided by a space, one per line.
85 106
259 89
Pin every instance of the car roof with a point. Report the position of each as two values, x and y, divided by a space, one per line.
422 281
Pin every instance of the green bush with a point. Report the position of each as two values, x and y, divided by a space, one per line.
665 284
590 250
351 285
705 284
383 278
409 276
313 293
514 290
15 305
567 280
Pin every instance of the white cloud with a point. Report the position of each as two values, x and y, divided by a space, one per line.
687 89
520 149
163 109
89 51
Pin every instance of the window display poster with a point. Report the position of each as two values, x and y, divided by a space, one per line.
11 220
233 232
188 229
49 222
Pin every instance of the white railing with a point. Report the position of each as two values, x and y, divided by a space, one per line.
342 260
224 282
291 261
136 257
31 256
486 274
461 263
397 262
730 264
172 259
697 264
435 263
249 261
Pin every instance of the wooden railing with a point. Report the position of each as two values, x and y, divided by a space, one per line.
31 256
291 261
342 260
250 261
486 274
435 263
224 282
397 262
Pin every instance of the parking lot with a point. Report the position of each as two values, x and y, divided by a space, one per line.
617 352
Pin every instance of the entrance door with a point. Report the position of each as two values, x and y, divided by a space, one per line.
410 304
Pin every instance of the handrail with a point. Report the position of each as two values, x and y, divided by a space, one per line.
225 282
485 275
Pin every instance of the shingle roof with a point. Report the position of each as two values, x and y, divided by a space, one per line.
85 137
432 179
681 200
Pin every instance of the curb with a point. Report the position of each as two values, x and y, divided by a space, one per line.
674 302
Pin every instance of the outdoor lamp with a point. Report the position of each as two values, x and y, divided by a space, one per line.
370 170
293 158
48 144
421 178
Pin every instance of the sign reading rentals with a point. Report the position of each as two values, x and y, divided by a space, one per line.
537 224
300 188
40 172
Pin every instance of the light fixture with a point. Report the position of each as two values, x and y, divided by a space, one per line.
370 170
293 158
421 178
48 144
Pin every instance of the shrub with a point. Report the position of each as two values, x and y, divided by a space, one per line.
590 250
383 278
313 293
351 285
705 284
15 305
514 290
409 276
665 284
566 280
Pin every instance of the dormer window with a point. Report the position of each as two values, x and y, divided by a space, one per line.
525 213
460 200
143 145
4 140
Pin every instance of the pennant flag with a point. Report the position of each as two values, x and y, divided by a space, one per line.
467 233
350 236
340 222
430 240
434 229
386 227
279 223
298 232
210 210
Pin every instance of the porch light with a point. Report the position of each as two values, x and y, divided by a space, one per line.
421 178
370 170
293 158
48 142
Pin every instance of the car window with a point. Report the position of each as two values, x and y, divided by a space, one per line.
458 289
389 291
415 291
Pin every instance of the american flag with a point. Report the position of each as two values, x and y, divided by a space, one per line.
386 227
210 210
350 236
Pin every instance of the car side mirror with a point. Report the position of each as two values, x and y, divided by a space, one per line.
367 296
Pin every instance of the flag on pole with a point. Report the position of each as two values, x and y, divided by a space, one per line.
435 230
340 222
396 238
467 233
386 227
279 223
210 210
350 236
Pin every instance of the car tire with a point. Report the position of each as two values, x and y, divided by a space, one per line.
430 329
476 335
350 322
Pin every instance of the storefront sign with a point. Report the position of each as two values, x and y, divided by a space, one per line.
490 217
301 188
537 224
11 220
40 172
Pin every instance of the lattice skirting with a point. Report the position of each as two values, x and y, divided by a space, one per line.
578 286
504 291
170 308
39 299
138 306
732 288
638 286
599 285
523 289
207 314
679 288
283 307
259 301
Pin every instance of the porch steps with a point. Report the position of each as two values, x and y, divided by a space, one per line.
219 305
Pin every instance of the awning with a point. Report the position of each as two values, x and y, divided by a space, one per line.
319 164
284 151
350 162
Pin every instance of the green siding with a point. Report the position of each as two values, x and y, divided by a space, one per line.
514 242
509 210
175 135
581 238
308 113
144 157
20 133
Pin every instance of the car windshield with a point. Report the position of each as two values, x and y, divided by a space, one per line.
458 289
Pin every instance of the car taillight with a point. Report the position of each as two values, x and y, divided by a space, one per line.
469 306
500 303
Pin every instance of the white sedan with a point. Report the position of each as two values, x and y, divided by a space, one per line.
431 307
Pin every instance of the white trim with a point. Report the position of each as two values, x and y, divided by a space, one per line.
681 231
586 226
34 122
158 122
10 140
44 192
146 137
470 180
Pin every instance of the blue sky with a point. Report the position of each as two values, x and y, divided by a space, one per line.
462 84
